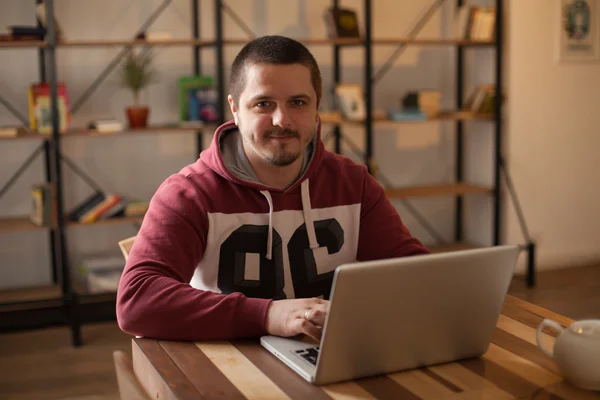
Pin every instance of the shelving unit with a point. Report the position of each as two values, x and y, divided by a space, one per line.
62 303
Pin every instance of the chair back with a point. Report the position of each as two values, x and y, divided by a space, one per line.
125 246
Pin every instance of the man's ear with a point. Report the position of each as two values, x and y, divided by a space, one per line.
233 108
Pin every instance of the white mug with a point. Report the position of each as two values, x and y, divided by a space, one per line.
576 351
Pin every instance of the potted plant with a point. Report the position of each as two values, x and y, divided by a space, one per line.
136 74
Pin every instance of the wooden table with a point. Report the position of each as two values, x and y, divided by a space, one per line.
513 367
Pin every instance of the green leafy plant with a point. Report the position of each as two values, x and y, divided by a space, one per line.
137 73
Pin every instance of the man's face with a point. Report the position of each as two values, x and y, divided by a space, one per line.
276 112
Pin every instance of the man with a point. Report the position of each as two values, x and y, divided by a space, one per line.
244 241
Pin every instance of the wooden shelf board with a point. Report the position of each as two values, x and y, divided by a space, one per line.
430 42
31 294
336 118
305 41
129 42
10 224
379 41
22 44
158 129
453 247
463 116
239 41
35 136
109 221
437 190
331 118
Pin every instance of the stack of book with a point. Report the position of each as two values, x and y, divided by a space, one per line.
33 32
101 206
100 274
26 32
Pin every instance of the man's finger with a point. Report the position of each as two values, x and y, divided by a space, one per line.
317 316
310 330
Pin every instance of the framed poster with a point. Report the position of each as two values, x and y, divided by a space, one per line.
579 33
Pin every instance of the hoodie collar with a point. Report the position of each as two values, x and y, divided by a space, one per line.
213 158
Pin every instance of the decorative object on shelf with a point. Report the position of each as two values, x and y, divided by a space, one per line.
137 73
341 23
351 100
40 108
426 102
40 11
198 99
579 30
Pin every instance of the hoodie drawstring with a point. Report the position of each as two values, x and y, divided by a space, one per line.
306 210
310 226
270 234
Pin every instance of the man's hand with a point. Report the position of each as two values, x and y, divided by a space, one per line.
292 317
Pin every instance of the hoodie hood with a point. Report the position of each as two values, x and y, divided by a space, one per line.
213 159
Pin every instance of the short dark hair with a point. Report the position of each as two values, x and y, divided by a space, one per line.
272 49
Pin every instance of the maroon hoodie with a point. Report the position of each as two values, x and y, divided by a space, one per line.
216 246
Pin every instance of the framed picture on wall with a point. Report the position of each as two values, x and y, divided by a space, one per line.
579 30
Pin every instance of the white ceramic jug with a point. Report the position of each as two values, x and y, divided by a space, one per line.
576 351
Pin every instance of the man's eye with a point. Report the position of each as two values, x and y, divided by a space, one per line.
298 102
262 104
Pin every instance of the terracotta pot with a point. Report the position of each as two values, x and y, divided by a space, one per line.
137 117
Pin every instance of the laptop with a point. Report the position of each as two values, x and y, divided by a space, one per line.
397 314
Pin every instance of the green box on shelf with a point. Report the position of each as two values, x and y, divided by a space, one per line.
197 99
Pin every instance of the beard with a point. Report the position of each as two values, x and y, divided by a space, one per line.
280 157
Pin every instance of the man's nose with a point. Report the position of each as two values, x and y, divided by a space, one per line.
281 118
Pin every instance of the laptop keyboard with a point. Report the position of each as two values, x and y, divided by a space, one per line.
309 354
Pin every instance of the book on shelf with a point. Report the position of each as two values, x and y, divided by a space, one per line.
95 212
475 23
27 31
407 115
117 210
136 208
105 125
198 99
13 131
44 207
40 108
100 274
482 100
86 205
101 206
341 23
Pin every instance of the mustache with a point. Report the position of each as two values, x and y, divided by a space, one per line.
281 132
